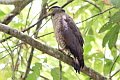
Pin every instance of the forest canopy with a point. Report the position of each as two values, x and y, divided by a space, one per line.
29 50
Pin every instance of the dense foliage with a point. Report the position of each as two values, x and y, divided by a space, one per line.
98 23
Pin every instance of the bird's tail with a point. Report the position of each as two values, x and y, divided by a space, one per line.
78 59
78 63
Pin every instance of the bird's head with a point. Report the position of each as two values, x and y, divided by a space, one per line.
54 10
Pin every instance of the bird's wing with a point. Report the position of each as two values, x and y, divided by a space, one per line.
73 40
72 35
75 29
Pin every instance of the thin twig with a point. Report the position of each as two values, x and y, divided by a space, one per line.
44 77
45 34
4 56
60 65
28 14
110 76
12 60
68 2
43 12
52 4
87 28
95 15
11 56
115 73
41 27
18 60
113 64
97 6
29 63
13 47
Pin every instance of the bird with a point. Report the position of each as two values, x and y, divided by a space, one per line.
68 35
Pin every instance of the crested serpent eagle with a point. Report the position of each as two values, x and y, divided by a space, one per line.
68 35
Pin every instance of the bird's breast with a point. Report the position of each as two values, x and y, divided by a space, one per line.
56 19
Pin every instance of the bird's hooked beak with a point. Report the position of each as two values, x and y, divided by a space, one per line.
53 10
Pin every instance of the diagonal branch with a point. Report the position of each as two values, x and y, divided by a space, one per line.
18 8
97 6
9 1
28 28
69 1
13 13
96 15
49 50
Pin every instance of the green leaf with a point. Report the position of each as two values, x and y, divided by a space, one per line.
98 55
116 3
107 66
115 18
19 24
8 74
114 36
2 13
111 36
55 73
90 31
31 76
105 27
36 72
80 11
89 38
98 63
37 68
64 78
87 48
114 52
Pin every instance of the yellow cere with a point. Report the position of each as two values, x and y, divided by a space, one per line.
51 10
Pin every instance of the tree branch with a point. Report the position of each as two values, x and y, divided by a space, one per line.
49 50
18 8
69 1
28 64
9 1
28 28
96 15
97 6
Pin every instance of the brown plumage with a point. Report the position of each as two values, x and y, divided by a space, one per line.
68 36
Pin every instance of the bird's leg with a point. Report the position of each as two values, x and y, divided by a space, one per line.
61 50
69 53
